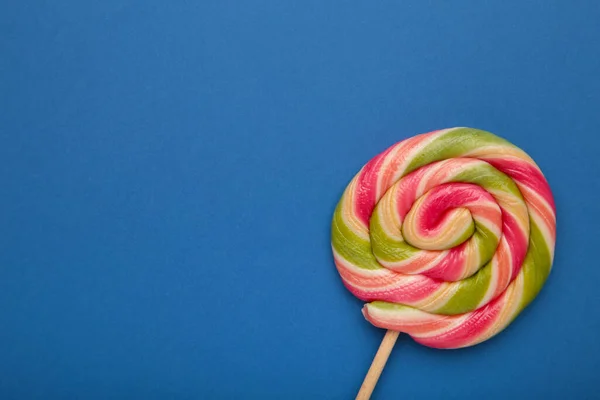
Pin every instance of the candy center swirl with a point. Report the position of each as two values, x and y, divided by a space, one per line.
446 235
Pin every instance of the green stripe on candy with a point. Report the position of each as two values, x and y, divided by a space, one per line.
489 178
349 245
469 294
536 266
455 143
384 305
487 243
385 247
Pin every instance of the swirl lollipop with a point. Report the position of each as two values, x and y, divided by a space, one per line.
447 236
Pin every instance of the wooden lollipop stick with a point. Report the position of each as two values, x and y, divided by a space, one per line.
385 348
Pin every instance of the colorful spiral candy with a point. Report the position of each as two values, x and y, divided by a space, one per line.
447 236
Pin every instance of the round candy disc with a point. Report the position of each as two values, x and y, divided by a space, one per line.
447 236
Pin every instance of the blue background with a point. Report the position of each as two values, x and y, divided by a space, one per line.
170 169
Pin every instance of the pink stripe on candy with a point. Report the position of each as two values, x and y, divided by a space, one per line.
525 173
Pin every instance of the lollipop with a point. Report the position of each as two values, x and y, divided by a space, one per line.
447 236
